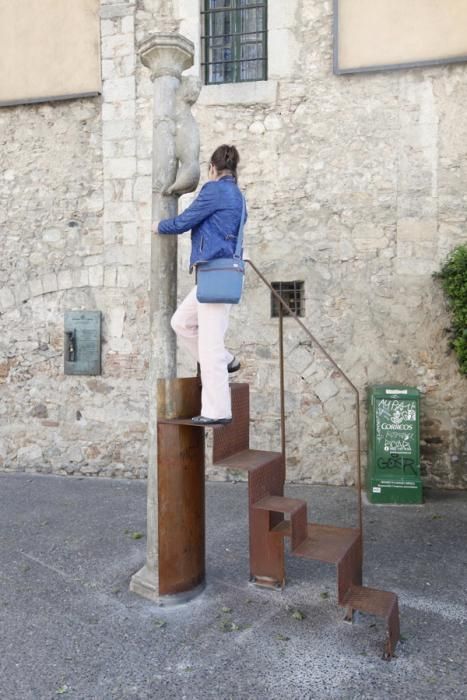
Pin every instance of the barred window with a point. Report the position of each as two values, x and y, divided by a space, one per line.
293 295
234 41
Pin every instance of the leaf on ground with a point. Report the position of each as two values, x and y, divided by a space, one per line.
159 623
225 609
228 626
403 638
63 689
436 517
282 638
136 535
298 615
324 595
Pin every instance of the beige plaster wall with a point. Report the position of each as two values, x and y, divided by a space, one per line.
48 48
386 32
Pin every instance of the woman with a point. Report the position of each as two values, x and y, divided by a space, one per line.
214 219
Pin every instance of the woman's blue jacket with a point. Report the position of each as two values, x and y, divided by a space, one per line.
214 219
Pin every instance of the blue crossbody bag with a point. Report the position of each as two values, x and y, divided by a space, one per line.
220 281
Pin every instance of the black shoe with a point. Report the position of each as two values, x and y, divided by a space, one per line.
233 366
201 420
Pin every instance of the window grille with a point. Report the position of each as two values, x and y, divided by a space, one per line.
293 295
234 41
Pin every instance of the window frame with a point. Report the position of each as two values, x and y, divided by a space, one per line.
235 35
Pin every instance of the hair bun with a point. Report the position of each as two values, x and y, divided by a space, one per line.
226 157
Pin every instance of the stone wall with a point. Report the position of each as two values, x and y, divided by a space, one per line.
355 185
74 216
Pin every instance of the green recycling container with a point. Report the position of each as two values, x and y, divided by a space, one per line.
393 472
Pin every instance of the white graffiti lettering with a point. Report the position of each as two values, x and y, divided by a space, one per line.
389 426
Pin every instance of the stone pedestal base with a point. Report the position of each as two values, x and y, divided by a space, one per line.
144 583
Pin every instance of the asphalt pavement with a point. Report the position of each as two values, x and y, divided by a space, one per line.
69 627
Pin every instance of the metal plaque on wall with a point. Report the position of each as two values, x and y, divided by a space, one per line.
82 350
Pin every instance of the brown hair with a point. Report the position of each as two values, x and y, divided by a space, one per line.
226 158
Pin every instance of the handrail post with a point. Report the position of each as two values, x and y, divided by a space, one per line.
282 383
359 467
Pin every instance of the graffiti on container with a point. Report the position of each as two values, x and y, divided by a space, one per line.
395 462
398 442
395 415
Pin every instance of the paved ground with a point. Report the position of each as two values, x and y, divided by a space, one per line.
69 627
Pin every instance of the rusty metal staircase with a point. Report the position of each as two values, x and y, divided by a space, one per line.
272 516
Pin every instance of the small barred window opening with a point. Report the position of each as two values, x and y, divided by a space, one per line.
293 295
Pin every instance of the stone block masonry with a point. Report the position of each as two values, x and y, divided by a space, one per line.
71 240
355 186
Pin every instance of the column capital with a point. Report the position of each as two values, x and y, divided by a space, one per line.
166 54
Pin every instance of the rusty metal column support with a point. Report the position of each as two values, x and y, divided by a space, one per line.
181 492
181 512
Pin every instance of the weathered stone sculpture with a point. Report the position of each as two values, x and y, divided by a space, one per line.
186 137
167 56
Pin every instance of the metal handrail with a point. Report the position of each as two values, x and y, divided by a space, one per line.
283 305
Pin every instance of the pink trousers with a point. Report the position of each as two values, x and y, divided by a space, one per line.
201 329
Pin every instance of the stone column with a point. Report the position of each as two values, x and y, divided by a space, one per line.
167 56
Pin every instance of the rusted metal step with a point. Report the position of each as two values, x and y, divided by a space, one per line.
370 600
376 602
294 507
240 409
327 543
265 480
234 437
188 421
284 529
227 439
249 460
280 504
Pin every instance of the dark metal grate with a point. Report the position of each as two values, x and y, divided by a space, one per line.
293 295
234 41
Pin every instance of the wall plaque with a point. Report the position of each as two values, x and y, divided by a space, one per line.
82 347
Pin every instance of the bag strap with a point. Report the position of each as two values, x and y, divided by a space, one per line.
238 248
